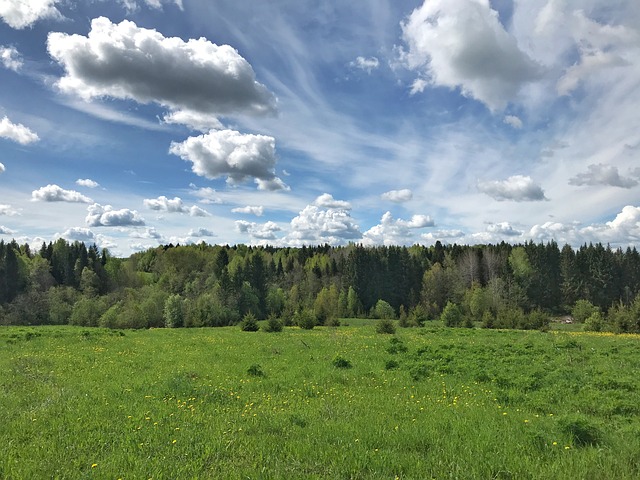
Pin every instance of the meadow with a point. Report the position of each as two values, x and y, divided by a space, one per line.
329 403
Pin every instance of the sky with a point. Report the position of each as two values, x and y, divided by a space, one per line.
137 123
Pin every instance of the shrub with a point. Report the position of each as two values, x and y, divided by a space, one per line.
249 323
595 323
386 326
305 319
255 370
396 346
451 315
383 310
391 365
582 310
273 325
582 430
340 362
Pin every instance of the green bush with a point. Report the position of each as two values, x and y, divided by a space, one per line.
305 319
249 323
273 325
451 315
385 326
383 310
595 323
340 362
396 346
255 370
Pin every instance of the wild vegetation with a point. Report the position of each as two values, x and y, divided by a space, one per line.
347 402
496 286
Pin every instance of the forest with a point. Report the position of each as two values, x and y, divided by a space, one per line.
521 286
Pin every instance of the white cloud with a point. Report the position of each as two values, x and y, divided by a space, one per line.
10 58
602 175
461 43
106 216
258 211
174 205
442 235
201 232
266 231
8 210
24 13
398 196
195 211
365 63
132 6
517 188
503 229
2 168
16 132
194 79
81 234
54 193
395 232
87 182
512 120
233 154
194 120
326 200
6 231
149 232
206 195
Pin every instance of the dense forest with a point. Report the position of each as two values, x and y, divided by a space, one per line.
496 286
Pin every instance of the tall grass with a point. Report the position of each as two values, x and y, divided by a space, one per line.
222 403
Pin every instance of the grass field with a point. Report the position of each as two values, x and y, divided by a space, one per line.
343 403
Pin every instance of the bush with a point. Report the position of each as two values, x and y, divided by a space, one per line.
582 310
583 432
273 325
255 370
249 323
385 326
340 362
396 346
595 323
451 315
305 319
383 310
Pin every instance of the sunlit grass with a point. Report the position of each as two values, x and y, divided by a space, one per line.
221 403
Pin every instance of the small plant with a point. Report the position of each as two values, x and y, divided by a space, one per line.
306 319
340 362
583 432
249 323
391 365
385 326
273 324
255 370
396 346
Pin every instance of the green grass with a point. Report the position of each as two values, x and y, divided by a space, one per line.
222 403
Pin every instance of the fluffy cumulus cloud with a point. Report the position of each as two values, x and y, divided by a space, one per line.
258 211
8 210
174 205
149 232
326 200
462 44
105 216
602 175
229 153
201 232
10 58
81 234
398 196
6 231
512 120
206 195
24 13
54 193
518 188
503 229
325 221
444 236
365 63
392 231
195 79
16 132
87 182
261 232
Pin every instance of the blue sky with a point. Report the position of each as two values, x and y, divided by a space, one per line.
135 123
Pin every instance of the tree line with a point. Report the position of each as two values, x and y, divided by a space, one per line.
500 286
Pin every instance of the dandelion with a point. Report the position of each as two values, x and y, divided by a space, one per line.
94 465
174 441
554 443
